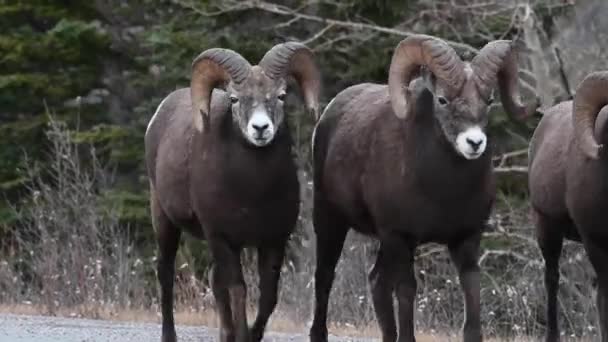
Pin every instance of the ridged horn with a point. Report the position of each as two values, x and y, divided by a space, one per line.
212 69
591 95
422 50
495 64
297 60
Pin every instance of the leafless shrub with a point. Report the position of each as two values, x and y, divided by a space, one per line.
68 251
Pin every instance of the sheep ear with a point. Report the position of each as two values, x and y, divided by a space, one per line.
419 99
430 80
423 78
425 103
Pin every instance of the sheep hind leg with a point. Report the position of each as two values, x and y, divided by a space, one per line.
550 241
596 250
384 277
167 236
270 259
330 235
228 279
602 303
465 255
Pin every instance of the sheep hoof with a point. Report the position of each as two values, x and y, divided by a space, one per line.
317 335
169 337
256 334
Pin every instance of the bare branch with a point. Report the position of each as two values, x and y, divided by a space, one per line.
516 255
511 169
286 11
562 72
503 158
318 34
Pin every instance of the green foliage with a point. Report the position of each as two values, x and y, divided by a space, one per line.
131 207
116 145
49 53
17 138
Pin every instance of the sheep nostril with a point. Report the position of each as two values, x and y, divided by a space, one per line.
260 128
474 143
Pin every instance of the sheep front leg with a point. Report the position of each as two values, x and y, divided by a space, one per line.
465 255
386 274
550 241
222 303
270 259
228 277
167 236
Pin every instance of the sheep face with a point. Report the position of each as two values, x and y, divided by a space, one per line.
257 107
463 124
461 90
256 92
463 118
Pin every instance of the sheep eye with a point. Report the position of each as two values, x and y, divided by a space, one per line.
281 96
442 100
234 99
490 100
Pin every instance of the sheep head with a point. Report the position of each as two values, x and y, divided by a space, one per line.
256 92
462 91
590 97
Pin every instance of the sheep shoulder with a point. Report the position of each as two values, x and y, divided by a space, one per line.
586 181
342 138
167 151
171 129
548 158
350 121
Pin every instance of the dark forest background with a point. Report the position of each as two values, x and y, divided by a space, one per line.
79 81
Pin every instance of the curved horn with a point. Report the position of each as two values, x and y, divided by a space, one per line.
297 60
591 95
418 50
497 63
211 69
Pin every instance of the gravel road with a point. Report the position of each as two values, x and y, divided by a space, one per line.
21 328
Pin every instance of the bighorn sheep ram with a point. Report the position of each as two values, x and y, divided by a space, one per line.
221 168
409 163
568 184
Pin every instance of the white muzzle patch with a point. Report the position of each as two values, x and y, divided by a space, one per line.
471 143
260 129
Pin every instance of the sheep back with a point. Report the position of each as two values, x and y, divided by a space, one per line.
548 152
